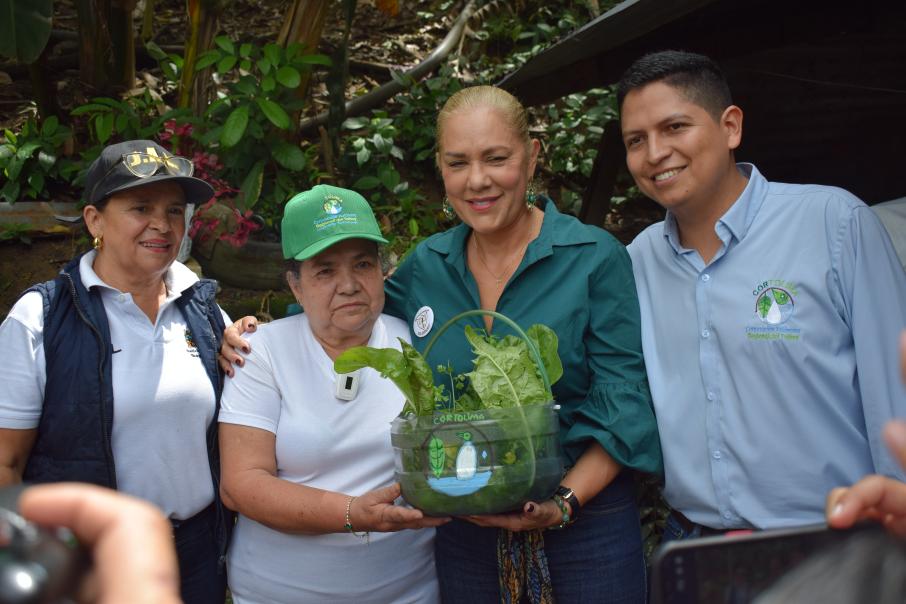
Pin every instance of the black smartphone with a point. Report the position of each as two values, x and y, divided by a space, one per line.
736 568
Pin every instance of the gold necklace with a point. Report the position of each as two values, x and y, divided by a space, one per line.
499 279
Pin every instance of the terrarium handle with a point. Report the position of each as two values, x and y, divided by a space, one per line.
536 356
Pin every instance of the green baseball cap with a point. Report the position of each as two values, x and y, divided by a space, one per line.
316 219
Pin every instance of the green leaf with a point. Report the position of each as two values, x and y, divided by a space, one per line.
250 190
155 51
225 44
235 126
226 63
504 374
366 183
27 149
389 177
120 122
103 126
764 305
49 127
209 58
546 341
24 28
10 191
245 50
268 83
289 77
355 123
289 156
413 227
436 456
781 297
264 65
36 181
407 369
363 155
274 112
273 52
46 160
13 168
247 85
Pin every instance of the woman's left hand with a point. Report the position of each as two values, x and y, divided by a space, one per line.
533 516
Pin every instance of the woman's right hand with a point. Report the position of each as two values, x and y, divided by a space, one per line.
375 511
234 345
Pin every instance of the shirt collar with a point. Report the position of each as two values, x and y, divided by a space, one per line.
556 230
737 220
178 277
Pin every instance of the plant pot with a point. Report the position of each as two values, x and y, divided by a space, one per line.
478 462
255 265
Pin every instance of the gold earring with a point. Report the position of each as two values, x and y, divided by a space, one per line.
98 242
530 197
448 209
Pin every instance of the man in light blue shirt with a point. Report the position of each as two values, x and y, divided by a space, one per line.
770 314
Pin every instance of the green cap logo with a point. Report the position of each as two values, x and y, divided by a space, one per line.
318 218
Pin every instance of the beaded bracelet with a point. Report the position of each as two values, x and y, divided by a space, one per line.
562 505
348 526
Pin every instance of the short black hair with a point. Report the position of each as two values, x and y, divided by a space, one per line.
697 77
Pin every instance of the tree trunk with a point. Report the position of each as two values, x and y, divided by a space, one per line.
106 45
303 25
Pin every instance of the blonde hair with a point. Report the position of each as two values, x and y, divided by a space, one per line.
513 112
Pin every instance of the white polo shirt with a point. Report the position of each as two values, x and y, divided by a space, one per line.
163 400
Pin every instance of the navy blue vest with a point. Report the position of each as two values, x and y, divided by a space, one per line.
74 433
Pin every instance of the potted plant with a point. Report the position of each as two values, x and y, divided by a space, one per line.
493 447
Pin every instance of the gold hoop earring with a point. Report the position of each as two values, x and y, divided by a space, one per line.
448 209
530 197
98 242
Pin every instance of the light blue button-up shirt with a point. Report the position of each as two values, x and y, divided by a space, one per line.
774 367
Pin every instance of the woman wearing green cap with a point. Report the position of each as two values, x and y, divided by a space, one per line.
306 453
516 253
111 372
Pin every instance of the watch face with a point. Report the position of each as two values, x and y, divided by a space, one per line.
564 492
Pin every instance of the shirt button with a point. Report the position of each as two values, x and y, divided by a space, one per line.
122 297
727 515
710 396
716 455
705 333
706 277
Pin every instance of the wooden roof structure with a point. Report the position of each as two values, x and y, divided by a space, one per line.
822 84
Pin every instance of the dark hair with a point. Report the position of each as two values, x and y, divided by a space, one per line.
697 77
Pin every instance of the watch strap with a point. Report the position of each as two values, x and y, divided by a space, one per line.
567 495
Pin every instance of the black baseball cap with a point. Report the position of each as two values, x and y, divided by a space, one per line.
108 174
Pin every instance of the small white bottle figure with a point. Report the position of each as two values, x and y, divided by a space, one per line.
466 459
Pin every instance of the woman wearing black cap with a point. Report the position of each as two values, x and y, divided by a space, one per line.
111 374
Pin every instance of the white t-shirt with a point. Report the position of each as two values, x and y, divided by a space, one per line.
163 400
287 387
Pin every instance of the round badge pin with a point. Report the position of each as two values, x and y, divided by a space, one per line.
423 321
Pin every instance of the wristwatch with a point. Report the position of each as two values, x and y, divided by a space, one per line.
567 495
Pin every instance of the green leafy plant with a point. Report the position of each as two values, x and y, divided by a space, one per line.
252 127
31 160
16 232
508 397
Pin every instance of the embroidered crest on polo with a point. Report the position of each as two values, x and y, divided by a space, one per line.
423 321
333 204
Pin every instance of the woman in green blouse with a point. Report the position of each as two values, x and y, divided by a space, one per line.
516 254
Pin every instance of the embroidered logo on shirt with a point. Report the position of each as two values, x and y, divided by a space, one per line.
191 348
775 304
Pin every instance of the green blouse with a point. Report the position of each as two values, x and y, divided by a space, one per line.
577 280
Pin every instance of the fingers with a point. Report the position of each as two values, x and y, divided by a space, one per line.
234 345
895 436
873 497
378 512
130 540
225 365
